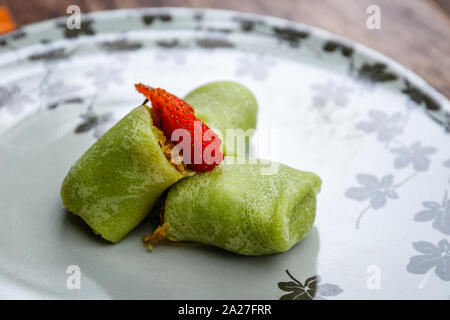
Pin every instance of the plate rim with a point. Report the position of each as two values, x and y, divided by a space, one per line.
272 20
323 34
441 115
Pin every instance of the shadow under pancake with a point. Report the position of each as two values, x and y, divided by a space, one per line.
213 273
75 224
127 270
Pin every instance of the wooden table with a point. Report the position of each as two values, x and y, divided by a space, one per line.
415 33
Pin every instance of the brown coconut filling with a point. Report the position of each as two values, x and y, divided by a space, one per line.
160 235
167 146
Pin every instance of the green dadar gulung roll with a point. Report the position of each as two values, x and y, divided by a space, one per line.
237 208
116 182
226 105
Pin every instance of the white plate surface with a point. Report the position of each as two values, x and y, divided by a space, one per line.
377 134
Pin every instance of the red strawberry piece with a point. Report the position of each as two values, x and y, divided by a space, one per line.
151 93
174 113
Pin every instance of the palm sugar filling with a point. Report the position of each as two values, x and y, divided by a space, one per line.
167 147
159 236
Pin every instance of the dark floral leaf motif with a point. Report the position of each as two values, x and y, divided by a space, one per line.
376 73
87 125
430 103
121 45
220 30
331 46
198 16
416 155
311 283
211 43
247 24
289 286
50 55
85 29
74 100
414 93
18 34
346 51
71 100
434 256
312 290
99 124
439 213
14 35
296 288
418 96
106 121
150 18
165 17
290 35
296 295
168 43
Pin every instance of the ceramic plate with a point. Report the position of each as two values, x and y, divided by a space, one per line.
377 134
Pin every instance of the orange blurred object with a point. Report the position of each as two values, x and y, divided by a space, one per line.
6 21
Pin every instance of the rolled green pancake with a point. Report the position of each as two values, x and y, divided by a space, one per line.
225 105
116 182
236 208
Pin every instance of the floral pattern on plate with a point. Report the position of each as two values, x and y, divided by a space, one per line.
388 128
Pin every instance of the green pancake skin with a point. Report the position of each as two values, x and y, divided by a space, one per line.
236 208
225 105
116 182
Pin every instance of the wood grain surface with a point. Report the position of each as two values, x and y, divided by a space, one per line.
415 33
